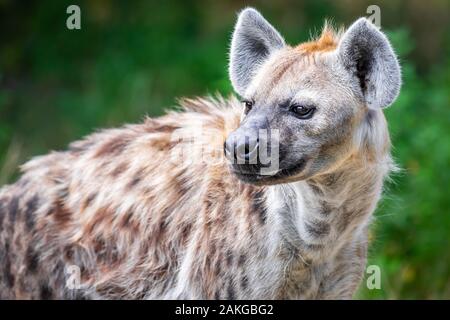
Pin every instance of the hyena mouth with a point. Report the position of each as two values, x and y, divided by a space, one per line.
255 175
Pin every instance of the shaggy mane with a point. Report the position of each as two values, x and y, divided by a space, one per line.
327 41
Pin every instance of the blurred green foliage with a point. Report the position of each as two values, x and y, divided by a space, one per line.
131 59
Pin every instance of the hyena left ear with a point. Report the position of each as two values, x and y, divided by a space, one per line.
367 54
254 39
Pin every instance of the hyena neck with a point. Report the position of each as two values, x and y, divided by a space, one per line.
316 218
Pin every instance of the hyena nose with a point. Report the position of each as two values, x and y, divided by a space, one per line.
242 148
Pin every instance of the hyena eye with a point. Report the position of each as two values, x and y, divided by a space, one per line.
248 105
303 112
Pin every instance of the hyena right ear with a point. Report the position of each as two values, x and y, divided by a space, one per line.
367 54
254 39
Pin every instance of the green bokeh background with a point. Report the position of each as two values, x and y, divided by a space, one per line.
133 58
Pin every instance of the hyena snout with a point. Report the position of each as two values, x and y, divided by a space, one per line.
253 153
241 147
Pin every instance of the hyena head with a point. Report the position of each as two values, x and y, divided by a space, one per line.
310 105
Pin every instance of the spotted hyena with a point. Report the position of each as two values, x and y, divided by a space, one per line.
118 216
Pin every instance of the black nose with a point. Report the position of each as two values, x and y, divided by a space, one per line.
242 148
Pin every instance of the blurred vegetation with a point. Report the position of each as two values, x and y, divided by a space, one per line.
131 59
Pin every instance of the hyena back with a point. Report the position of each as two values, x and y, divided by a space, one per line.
138 212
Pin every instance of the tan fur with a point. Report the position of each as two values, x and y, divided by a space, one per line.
328 41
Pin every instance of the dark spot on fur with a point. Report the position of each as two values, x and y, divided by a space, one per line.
208 205
212 246
316 189
45 292
80 147
88 201
114 290
310 246
60 213
244 281
32 260
331 179
2 214
63 193
185 232
77 295
153 125
69 253
218 269
13 206
183 185
113 254
9 277
229 258
31 207
230 291
119 169
102 216
112 147
325 209
370 117
127 219
136 179
317 228
242 259
100 249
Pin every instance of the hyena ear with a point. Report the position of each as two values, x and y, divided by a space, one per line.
254 39
367 54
